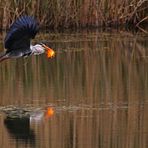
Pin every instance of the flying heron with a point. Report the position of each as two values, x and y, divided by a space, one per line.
18 40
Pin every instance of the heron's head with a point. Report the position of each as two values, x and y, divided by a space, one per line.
42 48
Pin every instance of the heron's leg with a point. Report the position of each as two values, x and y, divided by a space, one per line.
25 59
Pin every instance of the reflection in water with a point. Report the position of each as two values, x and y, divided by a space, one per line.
18 122
98 84
19 129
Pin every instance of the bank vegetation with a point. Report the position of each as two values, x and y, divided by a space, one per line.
76 13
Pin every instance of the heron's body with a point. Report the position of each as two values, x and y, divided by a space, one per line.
18 40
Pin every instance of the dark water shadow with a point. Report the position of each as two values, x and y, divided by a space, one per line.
19 129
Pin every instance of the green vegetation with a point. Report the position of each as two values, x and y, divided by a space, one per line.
76 13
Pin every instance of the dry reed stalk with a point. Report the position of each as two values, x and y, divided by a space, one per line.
6 14
76 13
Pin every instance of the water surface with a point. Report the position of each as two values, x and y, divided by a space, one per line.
96 86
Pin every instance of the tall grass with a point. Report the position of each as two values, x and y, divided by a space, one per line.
75 13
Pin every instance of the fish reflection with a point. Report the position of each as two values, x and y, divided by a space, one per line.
40 115
19 129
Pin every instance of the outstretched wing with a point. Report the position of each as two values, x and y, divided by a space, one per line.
21 32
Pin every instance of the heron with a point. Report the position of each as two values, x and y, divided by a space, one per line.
17 41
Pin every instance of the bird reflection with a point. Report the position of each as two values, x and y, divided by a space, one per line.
19 129
18 122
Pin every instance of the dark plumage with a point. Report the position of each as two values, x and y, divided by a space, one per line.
21 32
17 40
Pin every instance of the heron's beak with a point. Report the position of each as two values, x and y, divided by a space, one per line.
49 52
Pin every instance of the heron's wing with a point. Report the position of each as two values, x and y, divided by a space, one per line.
21 32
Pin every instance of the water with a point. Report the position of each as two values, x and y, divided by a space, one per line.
92 94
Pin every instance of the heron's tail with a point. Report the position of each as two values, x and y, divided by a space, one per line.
3 57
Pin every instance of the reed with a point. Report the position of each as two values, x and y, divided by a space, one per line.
76 13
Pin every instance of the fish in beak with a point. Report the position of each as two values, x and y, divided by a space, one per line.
49 52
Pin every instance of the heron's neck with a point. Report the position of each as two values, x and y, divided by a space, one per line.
36 49
33 49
